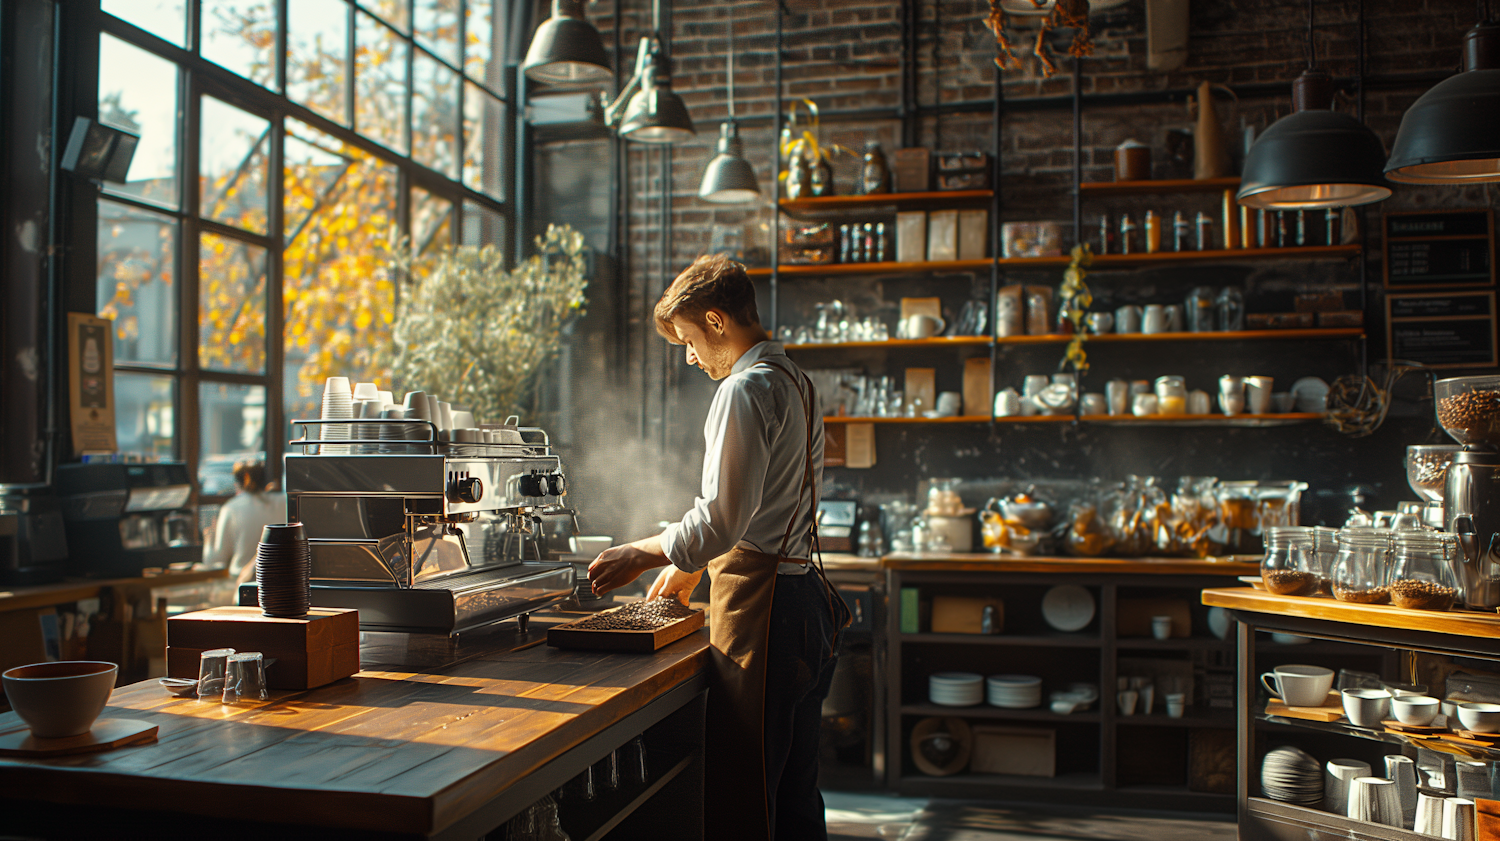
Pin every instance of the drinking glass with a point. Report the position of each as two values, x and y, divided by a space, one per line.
245 678
212 666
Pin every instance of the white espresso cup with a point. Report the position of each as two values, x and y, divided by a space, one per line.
922 326
1366 707
1299 686
950 404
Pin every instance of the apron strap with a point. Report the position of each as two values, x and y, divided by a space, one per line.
807 467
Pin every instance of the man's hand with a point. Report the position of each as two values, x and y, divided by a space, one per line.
619 565
674 582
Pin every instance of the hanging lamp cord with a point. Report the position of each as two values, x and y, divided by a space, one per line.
731 65
1312 51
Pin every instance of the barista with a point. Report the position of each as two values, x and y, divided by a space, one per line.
236 532
752 527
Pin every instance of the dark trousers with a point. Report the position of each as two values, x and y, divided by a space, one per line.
799 670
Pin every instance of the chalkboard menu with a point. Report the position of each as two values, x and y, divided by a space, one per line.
1439 248
1442 329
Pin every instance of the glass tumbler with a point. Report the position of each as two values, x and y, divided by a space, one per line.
1361 573
245 678
212 666
1289 565
1422 575
1171 395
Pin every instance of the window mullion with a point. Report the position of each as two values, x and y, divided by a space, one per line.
189 447
275 441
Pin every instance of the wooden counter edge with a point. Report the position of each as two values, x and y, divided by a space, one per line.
990 562
47 595
1251 600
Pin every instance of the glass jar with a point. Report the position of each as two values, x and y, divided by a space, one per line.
1171 396
1326 554
1287 569
1200 310
1361 573
1239 511
1280 502
1422 574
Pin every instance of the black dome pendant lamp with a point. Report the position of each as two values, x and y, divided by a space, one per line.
1451 135
1314 157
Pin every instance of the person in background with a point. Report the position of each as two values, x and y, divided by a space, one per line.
236 531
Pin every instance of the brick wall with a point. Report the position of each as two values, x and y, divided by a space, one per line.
845 56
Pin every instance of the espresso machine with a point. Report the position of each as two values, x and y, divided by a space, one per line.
1468 408
429 535
122 519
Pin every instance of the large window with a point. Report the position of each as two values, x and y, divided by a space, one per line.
232 284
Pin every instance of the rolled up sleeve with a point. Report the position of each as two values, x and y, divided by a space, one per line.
738 438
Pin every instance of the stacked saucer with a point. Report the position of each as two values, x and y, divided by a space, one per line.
955 689
283 568
1017 692
1291 775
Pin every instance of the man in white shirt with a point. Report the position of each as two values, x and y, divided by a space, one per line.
772 624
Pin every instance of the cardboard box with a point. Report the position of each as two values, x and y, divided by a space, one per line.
964 614
312 651
973 234
942 235
979 390
911 236
921 384
1022 751
913 170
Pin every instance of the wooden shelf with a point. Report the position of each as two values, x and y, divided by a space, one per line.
1041 713
1107 420
1229 255
887 267
1453 622
1062 338
937 342
1154 186
1059 640
960 419
1101 261
991 563
871 202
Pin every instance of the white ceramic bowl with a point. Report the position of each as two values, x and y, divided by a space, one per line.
1479 717
590 545
1417 710
60 699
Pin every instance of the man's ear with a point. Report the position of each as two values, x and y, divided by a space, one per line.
715 320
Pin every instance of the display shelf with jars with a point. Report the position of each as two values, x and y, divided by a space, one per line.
808 205
1159 186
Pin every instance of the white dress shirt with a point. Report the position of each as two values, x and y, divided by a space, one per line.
237 529
756 436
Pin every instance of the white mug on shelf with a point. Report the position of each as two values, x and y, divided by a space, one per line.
1299 686
921 326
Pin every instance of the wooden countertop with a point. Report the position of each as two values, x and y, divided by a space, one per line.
990 562
393 751
45 595
1461 623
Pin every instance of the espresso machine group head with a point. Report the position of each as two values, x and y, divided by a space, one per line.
1468 408
426 535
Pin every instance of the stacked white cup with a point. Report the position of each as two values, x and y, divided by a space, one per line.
338 404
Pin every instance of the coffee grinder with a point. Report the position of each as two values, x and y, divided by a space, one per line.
1468 408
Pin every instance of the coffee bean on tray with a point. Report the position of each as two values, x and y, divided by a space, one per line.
636 616
1477 411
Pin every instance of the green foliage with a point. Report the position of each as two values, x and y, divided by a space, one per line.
474 333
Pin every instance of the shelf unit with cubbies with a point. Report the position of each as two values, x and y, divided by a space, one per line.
1096 750
1393 642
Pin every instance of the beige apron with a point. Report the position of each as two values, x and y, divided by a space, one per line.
742 586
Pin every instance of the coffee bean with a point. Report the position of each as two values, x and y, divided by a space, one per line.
1470 411
1372 595
636 616
1291 582
1422 595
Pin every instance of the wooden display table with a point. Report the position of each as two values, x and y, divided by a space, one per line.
407 748
991 562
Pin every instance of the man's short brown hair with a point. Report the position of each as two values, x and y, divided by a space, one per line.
711 282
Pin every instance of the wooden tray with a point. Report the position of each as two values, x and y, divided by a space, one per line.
1395 726
1332 709
107 733
567 636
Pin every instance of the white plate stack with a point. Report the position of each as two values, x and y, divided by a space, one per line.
1016 692
955 689
1291 775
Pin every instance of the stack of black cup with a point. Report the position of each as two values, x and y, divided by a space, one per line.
283 568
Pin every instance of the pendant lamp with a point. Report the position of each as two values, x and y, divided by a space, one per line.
729 178
648 110
1451 135
1314 157
566 49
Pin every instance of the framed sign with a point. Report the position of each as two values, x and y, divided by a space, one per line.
91 383
1442 329
1439 248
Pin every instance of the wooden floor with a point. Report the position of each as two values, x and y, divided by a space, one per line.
864 816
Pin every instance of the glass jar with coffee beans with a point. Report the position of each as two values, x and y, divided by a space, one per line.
1289 565
1361 573
1422 575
